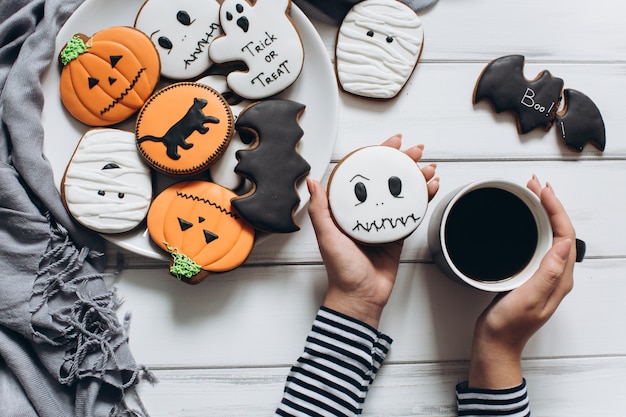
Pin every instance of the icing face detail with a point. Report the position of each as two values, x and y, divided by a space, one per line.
378 47
262 36
107 187
377 194
182 32
534 103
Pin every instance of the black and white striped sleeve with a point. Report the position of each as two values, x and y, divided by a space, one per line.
341 358
511 402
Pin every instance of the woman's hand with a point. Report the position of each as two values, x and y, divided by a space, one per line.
504 328
360 277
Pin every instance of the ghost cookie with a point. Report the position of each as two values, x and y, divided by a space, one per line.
195 223
533 102
107 187
182 32
378 46
263 36
272 164
377 194
107 78
184 128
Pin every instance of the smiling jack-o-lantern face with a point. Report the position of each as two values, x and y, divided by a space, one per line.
182 32
195 219
108 77
377 194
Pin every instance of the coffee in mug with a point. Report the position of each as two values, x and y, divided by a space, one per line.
490 234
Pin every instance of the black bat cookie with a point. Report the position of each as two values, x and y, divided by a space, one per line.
580 122
534 102
272 164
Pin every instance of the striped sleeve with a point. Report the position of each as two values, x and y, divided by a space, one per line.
511 402
340 360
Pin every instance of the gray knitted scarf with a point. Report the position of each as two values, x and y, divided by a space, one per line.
63 351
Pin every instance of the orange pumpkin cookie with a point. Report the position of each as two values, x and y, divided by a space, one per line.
107 78
183 128
194 221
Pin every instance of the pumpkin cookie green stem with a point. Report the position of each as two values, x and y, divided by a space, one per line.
75 47
182 265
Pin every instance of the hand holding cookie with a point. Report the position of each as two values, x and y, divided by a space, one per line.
360 277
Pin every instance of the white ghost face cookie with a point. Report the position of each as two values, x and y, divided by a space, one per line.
182 32
377 194
106 186
378 46
263 36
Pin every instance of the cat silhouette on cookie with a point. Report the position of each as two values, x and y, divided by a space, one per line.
177 135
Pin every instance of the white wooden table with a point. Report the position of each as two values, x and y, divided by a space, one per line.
224 347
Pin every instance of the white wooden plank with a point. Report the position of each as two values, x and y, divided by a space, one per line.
588 189
567 387
549 31
222 321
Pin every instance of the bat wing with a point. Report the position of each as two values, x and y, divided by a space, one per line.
580 122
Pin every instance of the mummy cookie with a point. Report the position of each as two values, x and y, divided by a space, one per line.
182 32
534 102
222 171
106 186
184 128
262 35
273 165
378 47
377 194
195 223
107 78
580 122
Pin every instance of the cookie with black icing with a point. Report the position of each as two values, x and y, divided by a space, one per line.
534 102
272 164
580 122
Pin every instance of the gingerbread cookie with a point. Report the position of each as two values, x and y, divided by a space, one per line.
184 128
107 78
182 32
107 187
273 165
195 223
534 102
262 35
580 122
377 194
378 47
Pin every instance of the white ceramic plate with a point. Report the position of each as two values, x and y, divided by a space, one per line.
316 88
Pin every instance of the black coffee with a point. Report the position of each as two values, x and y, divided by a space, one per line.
490 234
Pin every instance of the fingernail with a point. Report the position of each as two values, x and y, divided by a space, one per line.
421 146
433 165
535 178
562 249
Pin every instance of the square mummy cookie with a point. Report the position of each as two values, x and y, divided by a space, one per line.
377 194
378 47
182 32
262 35
106 186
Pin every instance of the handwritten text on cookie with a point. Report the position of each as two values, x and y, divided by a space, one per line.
260 49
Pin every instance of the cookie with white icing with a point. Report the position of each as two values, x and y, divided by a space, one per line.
106 186
378 46
377 194
182 32
262 35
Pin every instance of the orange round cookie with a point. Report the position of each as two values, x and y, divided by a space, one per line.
107 78
183 128
194 221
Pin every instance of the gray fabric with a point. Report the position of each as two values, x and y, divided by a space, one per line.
333 11
63 351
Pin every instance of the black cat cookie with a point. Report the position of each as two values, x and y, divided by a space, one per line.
184 128
272 164
534 102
